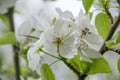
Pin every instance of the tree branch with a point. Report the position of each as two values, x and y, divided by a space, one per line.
111 32
114 50
16 57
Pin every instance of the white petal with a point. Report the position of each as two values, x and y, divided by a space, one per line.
91 53
33 59
93 38
62 72
84 57
112 59
65 15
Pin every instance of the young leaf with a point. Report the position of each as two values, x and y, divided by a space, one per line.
102 24
46 72
114 41
90 15
8 38
75 62
85 66
110 43
118 65
79 64
4 19
118 38
87 5
99 66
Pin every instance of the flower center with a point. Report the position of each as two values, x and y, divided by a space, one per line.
85 31
57 40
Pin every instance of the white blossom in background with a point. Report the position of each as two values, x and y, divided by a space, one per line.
35 56
60 35
112 58
34 25
112 6
5 4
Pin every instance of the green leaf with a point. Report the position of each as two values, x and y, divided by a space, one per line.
90 15
8 38
85 66
79 64
46 72
75 62
5 20
102 24
102 2
87 5
118 38
110 43
118 65
26 72
99 66
118 7
114 41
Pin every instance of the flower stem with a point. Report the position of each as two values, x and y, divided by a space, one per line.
50 55
54 62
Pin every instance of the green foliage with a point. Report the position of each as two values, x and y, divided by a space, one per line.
114 41
99 66
75 62
79 64
8 38
90 15
87 5
102 24
27 72
118 65
5 20
46 72
103 2
118 7
110 43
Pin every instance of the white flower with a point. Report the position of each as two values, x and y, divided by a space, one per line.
5 4
86 31
87 53
65 15
34 25
60 35
35 56
82 25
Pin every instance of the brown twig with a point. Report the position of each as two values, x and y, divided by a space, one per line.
114 50
111 31
16 57
110 34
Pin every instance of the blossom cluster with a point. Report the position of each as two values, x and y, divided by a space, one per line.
65 36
